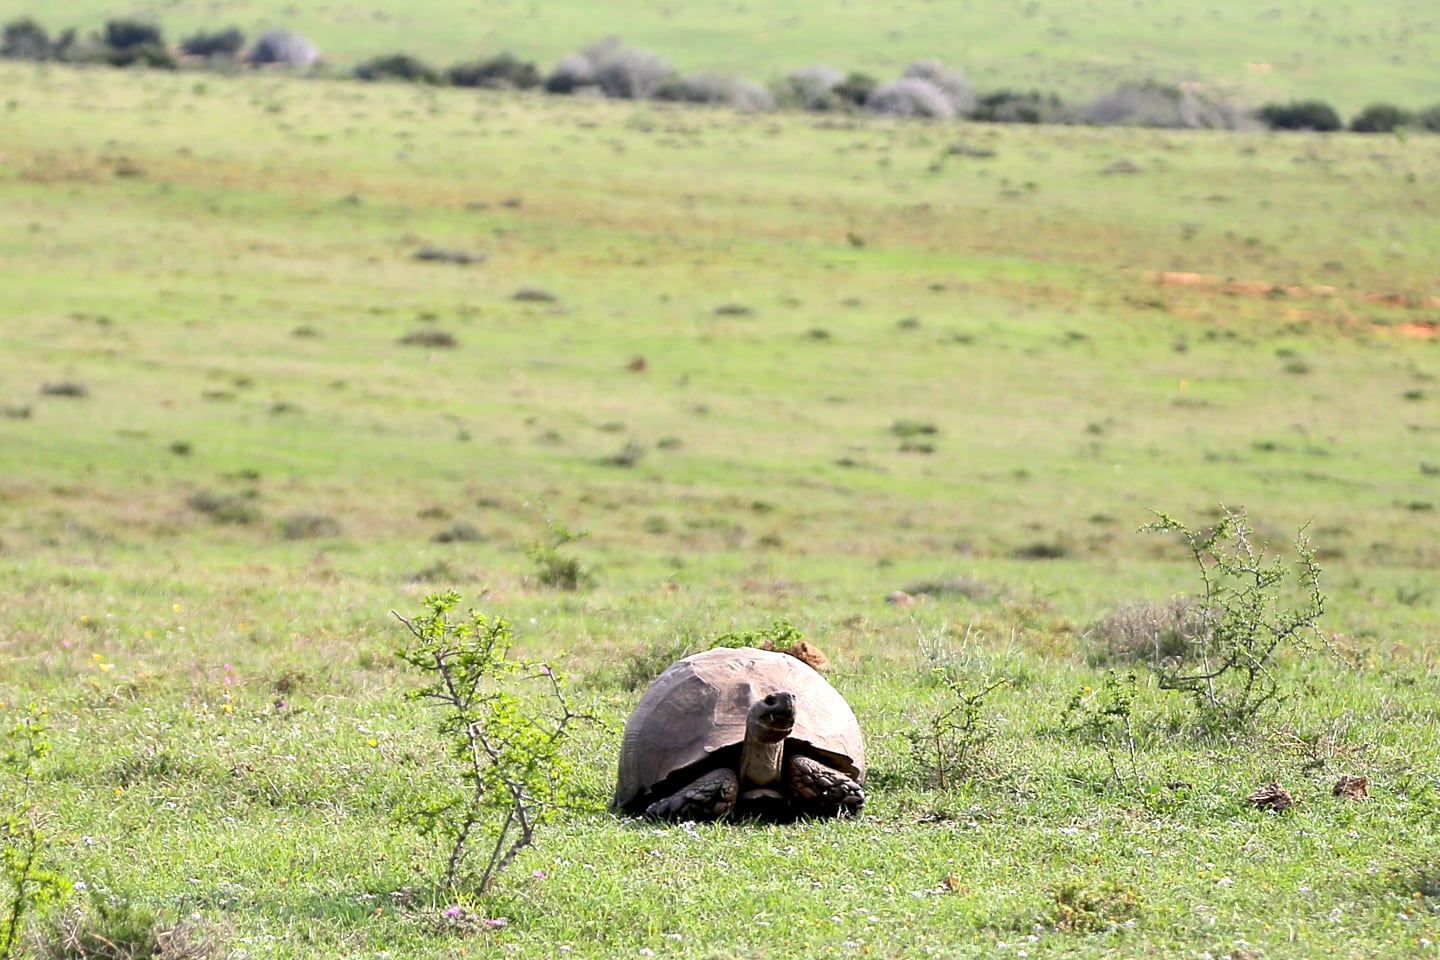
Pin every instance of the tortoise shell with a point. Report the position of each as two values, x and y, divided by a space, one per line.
692 719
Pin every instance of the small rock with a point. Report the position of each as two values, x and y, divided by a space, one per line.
900 598
1272 796
1356 788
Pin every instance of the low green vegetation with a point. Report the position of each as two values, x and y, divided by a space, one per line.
904 390
1256 53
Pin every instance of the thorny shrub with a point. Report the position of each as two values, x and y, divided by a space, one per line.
508 771
1247 614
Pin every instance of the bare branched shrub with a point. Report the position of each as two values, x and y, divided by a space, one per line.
283 47
716 88
574 71
1147 105
1163 105
910 97
812 88
619 71
629 73
951 82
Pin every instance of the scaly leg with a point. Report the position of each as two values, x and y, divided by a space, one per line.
709 797
822 791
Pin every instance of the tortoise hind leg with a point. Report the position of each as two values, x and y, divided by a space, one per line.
821 791
709 797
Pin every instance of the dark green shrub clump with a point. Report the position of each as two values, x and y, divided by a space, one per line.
219 43
25 39
812 88
1300 115
1016 106
396 66
1429 119
499 72
1381 118
134 43
856 88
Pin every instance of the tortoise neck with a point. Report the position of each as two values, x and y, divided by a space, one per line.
760 762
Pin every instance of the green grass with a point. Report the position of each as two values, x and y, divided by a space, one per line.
226 265
1349 55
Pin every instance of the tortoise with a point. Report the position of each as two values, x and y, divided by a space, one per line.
743 732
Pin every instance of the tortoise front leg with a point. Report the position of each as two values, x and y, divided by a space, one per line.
709 797
822 791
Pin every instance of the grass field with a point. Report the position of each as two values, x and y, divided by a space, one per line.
775 367
1348 54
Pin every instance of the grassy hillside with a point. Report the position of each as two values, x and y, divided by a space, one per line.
1348 54
776 367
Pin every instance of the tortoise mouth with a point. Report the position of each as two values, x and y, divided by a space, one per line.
775 715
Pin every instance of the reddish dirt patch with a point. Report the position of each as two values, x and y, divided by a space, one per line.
1228 286
1419 328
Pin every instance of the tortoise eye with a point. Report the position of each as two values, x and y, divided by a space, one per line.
770 700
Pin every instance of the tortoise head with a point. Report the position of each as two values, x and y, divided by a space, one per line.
771 718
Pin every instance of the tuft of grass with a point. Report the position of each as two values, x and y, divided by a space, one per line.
108 929
432 254
459 532
434 339
239 509
534 295
1145 632
309 526
65 388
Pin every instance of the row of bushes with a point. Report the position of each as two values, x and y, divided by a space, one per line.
610 68
124 43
